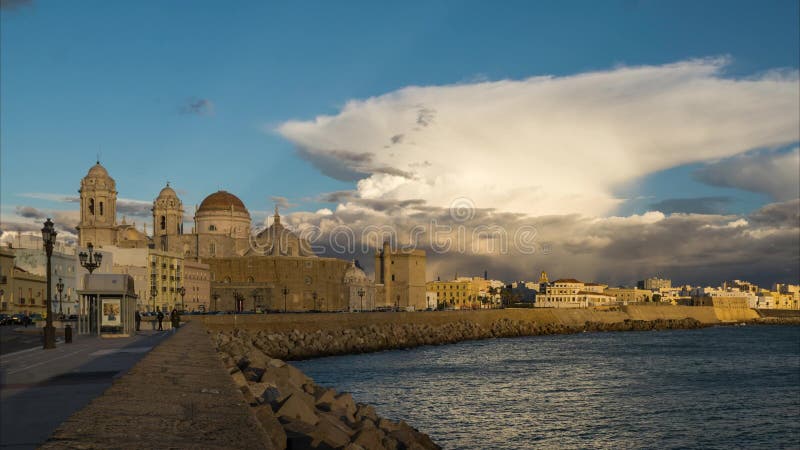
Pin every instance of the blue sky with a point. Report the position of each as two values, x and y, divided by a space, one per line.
87 77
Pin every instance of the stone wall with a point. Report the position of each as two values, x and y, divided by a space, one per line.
484 318
303 344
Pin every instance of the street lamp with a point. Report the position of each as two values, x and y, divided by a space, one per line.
90 261
285 293
239 300
361 294
60 289
215 297
182 291
49 238
153 295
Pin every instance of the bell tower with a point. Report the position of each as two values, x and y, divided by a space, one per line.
98 195
167 217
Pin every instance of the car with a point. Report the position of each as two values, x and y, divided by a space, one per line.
18 319
36 317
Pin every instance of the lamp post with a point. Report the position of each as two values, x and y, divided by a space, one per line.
182 291
215 297
239 300
60 289
361 294
285 293
153 294
90 261
49 238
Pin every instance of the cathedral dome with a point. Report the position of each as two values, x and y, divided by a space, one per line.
354 275
167 192
98 171
222 201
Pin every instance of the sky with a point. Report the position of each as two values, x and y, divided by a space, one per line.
624 139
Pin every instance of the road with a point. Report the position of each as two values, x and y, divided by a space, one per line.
11 342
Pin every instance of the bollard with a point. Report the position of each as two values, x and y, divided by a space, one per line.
68 334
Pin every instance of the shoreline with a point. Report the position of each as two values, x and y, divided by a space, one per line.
297 412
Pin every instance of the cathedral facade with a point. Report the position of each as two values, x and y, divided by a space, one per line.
271 269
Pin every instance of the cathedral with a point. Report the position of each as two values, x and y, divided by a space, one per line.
272 269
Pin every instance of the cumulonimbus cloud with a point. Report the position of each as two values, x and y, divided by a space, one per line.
548 145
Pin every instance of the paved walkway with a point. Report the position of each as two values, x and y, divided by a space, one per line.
178 396
39 388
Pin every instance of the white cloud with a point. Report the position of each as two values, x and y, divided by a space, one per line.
548 145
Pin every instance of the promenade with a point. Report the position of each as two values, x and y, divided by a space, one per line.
39 389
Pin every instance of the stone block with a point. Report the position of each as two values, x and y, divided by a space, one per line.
296 408
239 379
369 438
272 426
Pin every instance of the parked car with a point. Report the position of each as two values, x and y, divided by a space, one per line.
5 319
36 317
18 319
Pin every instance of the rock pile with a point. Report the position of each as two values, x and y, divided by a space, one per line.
295 344
298 414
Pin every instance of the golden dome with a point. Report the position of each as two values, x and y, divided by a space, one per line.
222 201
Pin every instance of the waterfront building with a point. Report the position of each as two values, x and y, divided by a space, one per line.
197 282
431 299
571 293
654 284
400 278
460 293
223 266
629 295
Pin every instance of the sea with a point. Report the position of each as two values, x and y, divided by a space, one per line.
720 387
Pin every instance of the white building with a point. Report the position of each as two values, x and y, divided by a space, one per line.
571 293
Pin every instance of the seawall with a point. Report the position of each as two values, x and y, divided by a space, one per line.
707 315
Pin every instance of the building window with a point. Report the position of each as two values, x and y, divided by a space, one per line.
212 249
163 223
91 206
101 208
212 228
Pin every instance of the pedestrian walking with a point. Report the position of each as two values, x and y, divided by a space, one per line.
138 318
175 318
160 317
26 319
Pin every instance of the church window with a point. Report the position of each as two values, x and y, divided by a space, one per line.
91 206
392 277
227 280
101 208
212 249
163 223
212 228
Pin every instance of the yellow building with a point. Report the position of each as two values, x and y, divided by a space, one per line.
166 278
20 291
458 294
197 282
629 295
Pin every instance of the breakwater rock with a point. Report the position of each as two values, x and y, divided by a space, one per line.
296 344
296 413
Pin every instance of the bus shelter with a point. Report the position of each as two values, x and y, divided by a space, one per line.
107 305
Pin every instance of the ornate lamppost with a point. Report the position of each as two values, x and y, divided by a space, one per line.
60 289
361 294
239 301
90 261
285 293
49 238
153 295
182 291
314 296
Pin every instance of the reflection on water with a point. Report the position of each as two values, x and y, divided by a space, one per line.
714 387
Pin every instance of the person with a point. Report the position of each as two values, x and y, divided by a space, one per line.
138 318
175 319
160 317
26 319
